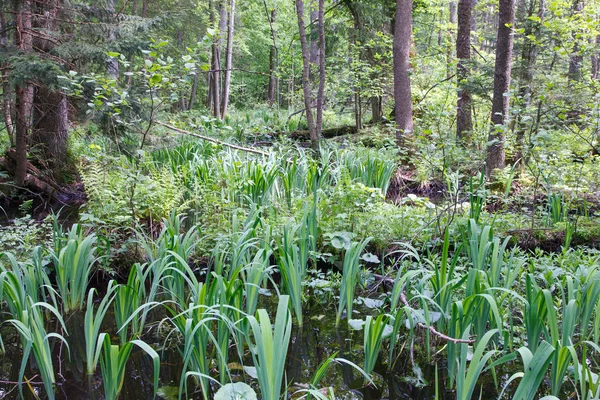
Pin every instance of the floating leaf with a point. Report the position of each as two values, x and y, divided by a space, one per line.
235 391
371 258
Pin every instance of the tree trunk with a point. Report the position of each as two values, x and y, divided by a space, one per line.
314 45
464 119
576 59
7 109
322 72
376 109
216 61
449 47
272 59
112 64
229 58
145 8
595 60
194 85
24 93
306 74
402 91
504 47
50 129
529 51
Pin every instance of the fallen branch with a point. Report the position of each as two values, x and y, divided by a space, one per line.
420 324
209 139
433 330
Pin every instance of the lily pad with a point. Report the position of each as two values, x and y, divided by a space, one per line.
235 391
370 258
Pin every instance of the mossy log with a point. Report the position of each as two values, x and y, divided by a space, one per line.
326 133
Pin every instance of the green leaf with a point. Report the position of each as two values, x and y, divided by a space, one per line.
235 391
156 79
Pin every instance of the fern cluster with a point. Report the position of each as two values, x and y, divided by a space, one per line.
117 191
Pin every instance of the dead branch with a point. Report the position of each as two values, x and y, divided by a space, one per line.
209 139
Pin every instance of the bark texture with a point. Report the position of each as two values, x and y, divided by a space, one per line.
528 57
314 138
272 59
229 58
576 59
322 72
464 118
24 93
402 91
496 157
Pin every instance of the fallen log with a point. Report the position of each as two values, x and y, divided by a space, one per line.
326 133
209 139
35 181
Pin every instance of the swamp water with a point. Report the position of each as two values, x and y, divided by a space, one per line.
309 346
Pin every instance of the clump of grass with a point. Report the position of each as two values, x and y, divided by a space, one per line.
350 271
74 257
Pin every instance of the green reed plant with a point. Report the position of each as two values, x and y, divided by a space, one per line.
35 340
92 325
254 274
234 252
128 299
25 280
351 265
467 376
257 180
196 325
113 361
73 264
535 366
480 243
556 208
292 260
324 367
443 282
477 196
587 289
536 312
371 169
171 252
268 346
229 296
373 338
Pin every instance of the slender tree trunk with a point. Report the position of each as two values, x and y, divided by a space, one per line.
229 58
312 41
24 92
272 59
322 71
595 60
529 51
449 44
7 96
112 64
134 7
376 109
576 59
194 85
504 47
216 61
145 8
402 91
464 118
314 138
